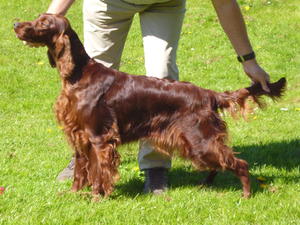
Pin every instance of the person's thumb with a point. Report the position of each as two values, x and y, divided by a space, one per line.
264 85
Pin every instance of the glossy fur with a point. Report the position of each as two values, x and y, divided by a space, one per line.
101 108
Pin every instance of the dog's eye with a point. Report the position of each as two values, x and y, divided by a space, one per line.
44 24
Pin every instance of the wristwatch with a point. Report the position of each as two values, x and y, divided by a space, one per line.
246 57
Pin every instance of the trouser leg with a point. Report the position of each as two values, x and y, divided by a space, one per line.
106 25
161 26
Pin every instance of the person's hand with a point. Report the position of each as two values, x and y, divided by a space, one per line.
257 74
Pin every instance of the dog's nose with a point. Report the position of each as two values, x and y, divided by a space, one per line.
16 25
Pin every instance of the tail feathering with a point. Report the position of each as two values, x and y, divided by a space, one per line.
238 101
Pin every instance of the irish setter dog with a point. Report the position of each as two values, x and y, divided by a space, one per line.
100 108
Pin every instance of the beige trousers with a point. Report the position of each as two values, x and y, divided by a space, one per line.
106 25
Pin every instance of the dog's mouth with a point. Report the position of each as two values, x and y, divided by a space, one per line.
30 43
33 45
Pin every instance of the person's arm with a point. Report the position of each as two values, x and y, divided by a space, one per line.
232 21
59 6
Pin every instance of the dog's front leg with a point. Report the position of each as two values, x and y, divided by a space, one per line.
80 172
103 166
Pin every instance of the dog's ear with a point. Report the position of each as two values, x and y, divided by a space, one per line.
64 61
51 60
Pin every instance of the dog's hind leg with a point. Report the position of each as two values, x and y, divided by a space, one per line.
217 156
242 172
204 144
210 178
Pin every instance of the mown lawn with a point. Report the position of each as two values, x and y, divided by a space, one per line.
33 149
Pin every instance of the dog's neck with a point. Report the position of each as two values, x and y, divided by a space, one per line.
78 52
80 58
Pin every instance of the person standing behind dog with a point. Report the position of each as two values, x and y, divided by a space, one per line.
106 25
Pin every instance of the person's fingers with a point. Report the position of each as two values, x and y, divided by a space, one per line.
259 76
264 85
264 80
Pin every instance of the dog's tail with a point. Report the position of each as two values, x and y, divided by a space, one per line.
237 101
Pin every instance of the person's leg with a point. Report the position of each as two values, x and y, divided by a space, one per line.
161 26
106 25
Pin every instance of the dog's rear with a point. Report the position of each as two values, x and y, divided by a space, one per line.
237 101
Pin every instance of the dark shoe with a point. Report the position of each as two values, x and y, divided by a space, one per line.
156 180
67 172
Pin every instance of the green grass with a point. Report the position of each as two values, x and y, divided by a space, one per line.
33 149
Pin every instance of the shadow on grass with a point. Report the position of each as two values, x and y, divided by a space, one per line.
280 155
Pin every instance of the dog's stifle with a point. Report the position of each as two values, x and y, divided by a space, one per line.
101 108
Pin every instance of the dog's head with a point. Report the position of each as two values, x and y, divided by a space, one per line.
53 31
43 31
